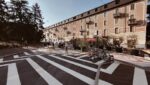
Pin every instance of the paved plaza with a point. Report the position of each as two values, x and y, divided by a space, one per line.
36 67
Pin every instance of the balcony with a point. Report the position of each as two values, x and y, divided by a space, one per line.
68 32
82 30
89 22
120 15
134 22
65 28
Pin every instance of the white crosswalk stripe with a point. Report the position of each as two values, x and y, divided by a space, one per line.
44 74
71 72
100 62
77 64
108 70
1 60
13 77
16 56
26 53
78 59
111 68
139 77
82 56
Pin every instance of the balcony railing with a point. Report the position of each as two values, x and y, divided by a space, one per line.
134 22
120 15
82 30
65 28
89 22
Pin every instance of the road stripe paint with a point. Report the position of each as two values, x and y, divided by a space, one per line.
69 71
78 59
100 62
44 74
111 68
13 77
33 51
82 56
1 60
16 56
4 65
139 77
26 53
77 64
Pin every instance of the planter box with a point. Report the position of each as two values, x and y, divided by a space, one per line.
119 49
135 52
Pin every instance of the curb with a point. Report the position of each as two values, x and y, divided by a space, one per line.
131 64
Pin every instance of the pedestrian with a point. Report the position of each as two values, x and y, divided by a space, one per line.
66 47
53 45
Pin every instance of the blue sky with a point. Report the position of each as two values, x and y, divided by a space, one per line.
57 10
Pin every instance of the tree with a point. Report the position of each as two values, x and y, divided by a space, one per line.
3 11
37 16
19 9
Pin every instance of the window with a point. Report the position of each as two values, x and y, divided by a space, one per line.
96 9
117 10
131 29
74 17
97 32
105 6
132 6
116 31
132 16
81 15
95 24
88 12
104 14
104 32
88 33
116 20
87 26
81 33
105 22
117 1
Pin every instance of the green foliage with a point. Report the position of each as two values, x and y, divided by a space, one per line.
132 41
20 23
117 41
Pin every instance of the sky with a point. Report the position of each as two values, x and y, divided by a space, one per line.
54 11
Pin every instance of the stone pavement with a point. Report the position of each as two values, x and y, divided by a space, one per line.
126 58
55 67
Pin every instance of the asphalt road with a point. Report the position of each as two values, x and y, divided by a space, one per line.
29 68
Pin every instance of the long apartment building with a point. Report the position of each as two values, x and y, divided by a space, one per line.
121 18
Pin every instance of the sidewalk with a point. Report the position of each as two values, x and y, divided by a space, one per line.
126 58
131 59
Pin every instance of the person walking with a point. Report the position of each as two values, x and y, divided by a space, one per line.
66 47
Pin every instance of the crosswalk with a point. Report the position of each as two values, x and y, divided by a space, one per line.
57 69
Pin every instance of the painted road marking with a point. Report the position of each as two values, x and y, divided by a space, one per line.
139 77
13 77
1 60
111 68
71 72
26 53
77 64
44 74
16 56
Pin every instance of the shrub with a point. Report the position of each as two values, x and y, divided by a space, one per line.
132 41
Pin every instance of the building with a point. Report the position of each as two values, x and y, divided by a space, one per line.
50 36
119 18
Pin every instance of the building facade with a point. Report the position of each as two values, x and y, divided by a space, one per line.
119 18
